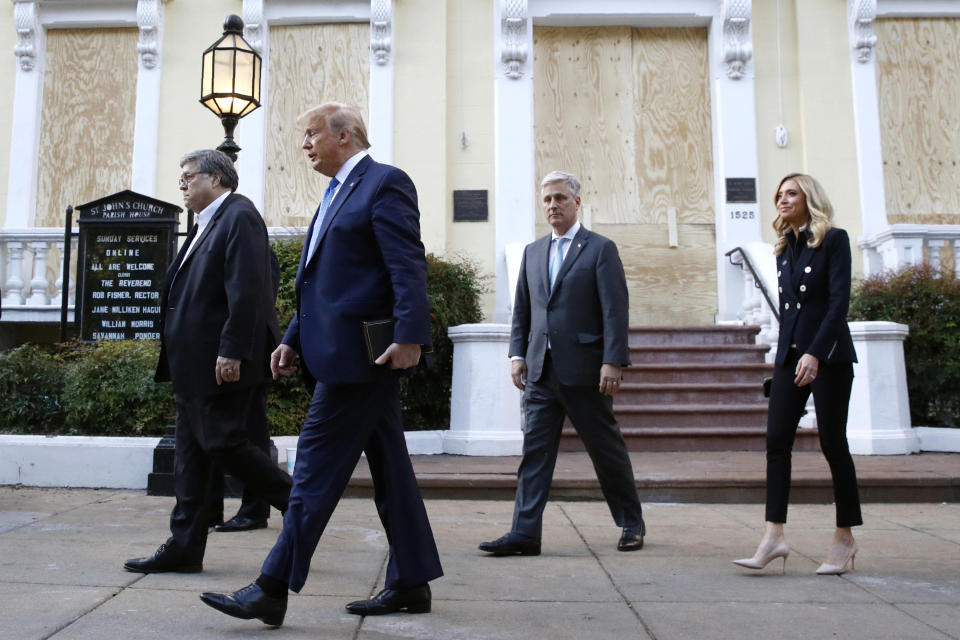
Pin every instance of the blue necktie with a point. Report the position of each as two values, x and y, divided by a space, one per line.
324 205
557 261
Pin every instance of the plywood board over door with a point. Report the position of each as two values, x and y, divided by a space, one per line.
86 131
918 81
309 64
628 111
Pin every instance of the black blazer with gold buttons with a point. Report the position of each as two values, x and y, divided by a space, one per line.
814 296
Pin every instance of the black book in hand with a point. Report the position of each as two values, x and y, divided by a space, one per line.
378 336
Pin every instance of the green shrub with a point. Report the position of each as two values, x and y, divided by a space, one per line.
31 386
109 390
454 288
929 304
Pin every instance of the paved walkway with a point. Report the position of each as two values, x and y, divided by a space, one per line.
61 552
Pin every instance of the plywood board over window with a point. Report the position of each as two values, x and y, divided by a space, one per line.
89 105
309 64
628 111
918 81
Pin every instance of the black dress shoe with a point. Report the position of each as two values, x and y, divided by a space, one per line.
412 600
162 561
512 544
249 603
239 523
631 540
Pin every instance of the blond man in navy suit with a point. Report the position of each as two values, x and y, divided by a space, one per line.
568 346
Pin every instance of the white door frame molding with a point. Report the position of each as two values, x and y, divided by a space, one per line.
258 17
32 19
862 15
733 110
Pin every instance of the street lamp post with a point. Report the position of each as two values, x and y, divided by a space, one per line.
230 83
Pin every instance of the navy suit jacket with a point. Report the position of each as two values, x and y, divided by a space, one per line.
586 315
814 297
220 303
369 265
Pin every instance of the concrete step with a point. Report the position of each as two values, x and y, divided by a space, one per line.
688 354
689 476
696 393
692 415
719 334
698 372
694 439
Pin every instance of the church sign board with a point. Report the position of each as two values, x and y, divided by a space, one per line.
127 241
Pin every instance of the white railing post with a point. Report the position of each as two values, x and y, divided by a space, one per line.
59 282
934 247
14 284
38 283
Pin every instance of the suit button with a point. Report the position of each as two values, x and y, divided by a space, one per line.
807 270
786 305
803 287
779 273
781 289
798 305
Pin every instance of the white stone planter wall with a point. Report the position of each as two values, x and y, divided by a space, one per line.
484 404
879 421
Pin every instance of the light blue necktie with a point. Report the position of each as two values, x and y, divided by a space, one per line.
557 261
324 205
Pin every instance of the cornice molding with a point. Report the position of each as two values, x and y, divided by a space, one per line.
863 14
26 20
513 22
737 48
381 26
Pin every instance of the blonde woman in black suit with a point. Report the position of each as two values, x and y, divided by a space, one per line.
814 354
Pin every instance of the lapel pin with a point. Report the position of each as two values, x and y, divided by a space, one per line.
579 245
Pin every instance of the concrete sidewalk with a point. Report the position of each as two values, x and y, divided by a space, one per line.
61 576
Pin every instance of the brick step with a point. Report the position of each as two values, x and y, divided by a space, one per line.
709 438
719 334
692 415
688 354
634 393
698 372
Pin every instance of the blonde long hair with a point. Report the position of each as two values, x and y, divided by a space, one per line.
818 206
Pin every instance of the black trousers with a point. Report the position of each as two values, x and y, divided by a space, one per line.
545 403
252 506
212 432
344 421
831 398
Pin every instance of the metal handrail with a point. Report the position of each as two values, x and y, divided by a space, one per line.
757 282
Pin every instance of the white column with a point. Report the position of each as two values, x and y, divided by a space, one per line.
879 422
513 142
251 133
485 417
866 115
734 143
145 130
381 106
27 103
13 287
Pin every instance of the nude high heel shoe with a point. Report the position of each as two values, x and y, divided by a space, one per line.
761 560
827 569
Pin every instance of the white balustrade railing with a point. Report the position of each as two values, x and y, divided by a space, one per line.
759 270
31 272
900 245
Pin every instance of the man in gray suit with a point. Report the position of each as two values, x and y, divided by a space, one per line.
568 346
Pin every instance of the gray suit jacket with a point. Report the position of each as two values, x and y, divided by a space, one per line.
585 316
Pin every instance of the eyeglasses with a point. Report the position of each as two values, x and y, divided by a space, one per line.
187 178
